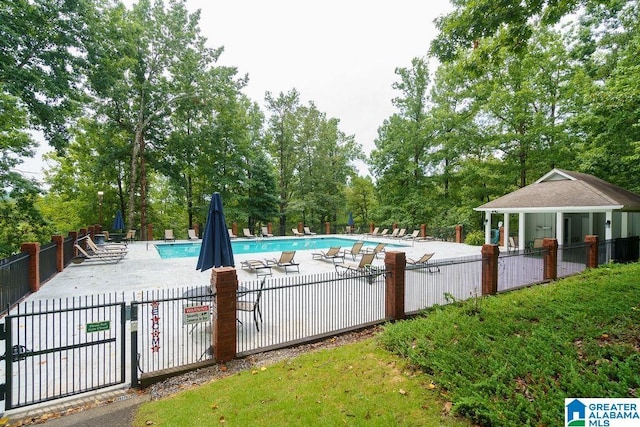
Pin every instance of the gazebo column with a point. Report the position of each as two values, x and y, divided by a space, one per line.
560 228
521 230
487 228
506 230
608 226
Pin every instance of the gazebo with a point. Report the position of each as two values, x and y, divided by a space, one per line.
565 205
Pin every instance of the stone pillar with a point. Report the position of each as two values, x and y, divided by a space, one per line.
550 255
92 232
490 269
74 235
269 228
33 249
458 233
327 227
423 231
371 227
395 263
592 251
234 228
300 228
59 241
149 232
224 283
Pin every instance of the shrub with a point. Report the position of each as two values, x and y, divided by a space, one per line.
475 238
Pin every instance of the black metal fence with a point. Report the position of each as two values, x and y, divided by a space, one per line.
14 280
68 250
47 259
63 347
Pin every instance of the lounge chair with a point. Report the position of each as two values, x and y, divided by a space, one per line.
377 250
296 232
355 250
265 232
93 248
285 261
108 257
394 233
249 304
247 233
257 266
308 232
412 236
231 235
168 236
512 244
373 233
384 232
401 233
130 237
422 261
192 234
332 254
365 268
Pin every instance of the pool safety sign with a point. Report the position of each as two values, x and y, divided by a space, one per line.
195 314
601 412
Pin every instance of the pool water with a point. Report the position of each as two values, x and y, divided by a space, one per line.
186 250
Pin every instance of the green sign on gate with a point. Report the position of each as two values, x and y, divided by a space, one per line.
99 326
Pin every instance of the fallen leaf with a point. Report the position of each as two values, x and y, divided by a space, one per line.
214 406
264 368
150 423
402 392
431 386
222 420
254 372
447 407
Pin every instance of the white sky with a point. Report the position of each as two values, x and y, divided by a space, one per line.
339 54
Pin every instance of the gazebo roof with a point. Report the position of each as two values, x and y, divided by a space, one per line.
561 190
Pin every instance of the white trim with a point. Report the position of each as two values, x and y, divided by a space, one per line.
555 172
565 209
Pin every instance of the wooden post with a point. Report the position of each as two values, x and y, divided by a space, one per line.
59 241
395 263
550 254
423 231
458 233
327 227
490 269
224 284
592 251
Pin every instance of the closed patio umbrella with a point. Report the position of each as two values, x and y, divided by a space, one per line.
215 250
350 221
118 222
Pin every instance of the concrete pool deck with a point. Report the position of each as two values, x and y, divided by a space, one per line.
143 270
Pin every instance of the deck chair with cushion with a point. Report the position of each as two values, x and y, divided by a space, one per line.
423 262
394 233
285 261
332 254
192 234
355 250
168 236
364 268
296 232
92 247
130 237
512 245
384 232
412 236
247 233
231 235
308 232
265 232
377 250
250 302
401 233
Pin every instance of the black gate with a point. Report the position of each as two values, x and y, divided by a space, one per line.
64 347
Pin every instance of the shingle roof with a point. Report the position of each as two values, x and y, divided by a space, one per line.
567 189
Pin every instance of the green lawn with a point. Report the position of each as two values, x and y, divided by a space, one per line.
504 360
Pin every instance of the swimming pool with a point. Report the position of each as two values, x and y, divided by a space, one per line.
186 250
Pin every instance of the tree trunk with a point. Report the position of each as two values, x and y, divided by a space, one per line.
133 178
143 195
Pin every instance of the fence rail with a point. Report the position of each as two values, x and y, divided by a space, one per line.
14 280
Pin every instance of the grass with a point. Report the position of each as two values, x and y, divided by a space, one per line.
497 361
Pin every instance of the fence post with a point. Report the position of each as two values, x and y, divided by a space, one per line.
59 241
149 232
423 230
490 269
74 235
234 228
92 232
592 251
33 249
458 233
550 254
135 379
395 263
327 227
224 283
269 228
371 226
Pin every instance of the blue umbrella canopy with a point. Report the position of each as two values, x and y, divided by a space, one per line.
215 250
350 220
118 222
